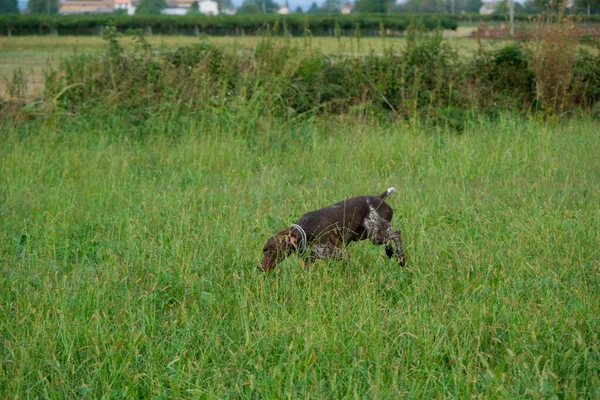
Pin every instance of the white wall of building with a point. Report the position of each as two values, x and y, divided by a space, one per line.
209 7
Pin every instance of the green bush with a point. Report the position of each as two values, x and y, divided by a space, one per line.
586 79
509 70
500 79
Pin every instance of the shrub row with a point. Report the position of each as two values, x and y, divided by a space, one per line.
91 24
215 25
424 81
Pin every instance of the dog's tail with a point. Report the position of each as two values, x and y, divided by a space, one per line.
387 193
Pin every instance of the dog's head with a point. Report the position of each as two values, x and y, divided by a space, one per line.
277 248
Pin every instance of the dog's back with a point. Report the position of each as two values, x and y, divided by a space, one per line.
349 214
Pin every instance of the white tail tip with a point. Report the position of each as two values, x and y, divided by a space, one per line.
390 191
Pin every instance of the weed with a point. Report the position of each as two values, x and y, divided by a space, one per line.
552 55
17 86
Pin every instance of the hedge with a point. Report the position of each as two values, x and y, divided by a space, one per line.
319 25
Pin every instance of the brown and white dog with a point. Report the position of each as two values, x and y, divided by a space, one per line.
325 233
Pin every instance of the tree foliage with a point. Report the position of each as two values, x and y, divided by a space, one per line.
249 7
468 6
373 6
9 7
267 6
551 6
502 8
588 6
43 7
226 4
331 6
150 7
530 8
194 8
425 6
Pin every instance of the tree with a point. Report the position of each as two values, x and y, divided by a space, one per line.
372 6
150 7
549 6
225 4
299 10
249 7
331 6
194 8
43 7
530 8
267 6
588 6
471 6
458 6
314 8
9 7
503 8
425 6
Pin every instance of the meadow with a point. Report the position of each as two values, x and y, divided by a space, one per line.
137 194
129 268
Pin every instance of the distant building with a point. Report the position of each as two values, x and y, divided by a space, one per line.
488 7
174 11
285 10
86 7
346 8
181 7
209 7
126 5
174 7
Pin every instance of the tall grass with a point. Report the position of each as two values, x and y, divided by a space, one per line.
128 268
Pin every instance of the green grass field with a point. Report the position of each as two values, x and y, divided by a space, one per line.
128 267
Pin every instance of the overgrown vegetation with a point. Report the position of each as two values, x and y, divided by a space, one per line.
424 81
552 57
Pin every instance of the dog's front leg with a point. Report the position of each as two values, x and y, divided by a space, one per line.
394 246
308 262
325 251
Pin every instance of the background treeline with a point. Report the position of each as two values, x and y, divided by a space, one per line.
295 24
319 25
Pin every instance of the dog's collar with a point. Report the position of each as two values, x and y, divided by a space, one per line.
302 244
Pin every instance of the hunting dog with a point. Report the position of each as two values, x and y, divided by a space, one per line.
324 233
